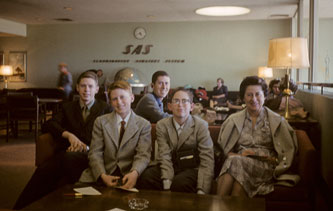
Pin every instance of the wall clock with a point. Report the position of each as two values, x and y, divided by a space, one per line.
140 33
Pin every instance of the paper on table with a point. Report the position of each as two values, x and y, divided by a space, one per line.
130 190
87 191
116 209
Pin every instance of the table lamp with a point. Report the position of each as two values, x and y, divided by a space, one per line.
6 70
265 72
287 53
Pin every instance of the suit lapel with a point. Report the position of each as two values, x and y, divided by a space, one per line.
186 132
130 129
112 128
172 133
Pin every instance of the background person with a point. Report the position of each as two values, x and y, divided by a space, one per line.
219 94
259 145
65 80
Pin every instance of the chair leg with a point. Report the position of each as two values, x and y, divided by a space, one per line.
30 126
15 128
7 134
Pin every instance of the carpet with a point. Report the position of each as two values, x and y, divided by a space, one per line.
17 164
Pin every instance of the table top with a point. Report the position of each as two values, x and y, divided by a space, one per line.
158 200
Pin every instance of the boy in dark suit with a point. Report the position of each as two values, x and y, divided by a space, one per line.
71 128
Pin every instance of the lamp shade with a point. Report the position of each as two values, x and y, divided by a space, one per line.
291 52
6 70
265 72
133 76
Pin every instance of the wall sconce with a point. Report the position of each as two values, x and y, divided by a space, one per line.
287 53
5 71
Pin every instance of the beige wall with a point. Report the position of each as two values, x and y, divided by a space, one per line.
228 49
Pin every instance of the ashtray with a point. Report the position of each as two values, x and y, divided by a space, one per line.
138 203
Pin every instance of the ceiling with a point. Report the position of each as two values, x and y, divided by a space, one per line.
111 11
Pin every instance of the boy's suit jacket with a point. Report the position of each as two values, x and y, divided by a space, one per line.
195 135
70 119
105 153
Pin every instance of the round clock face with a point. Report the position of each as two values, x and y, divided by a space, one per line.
139 33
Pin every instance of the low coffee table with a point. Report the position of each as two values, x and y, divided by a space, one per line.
158 200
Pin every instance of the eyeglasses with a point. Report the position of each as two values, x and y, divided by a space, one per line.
183 101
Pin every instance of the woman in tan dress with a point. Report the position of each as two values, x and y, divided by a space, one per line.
258 144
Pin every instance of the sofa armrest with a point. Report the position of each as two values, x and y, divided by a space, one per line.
307 159
45 148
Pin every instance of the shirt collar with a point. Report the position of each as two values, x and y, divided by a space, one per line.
177 126
119 119
159 102
89 105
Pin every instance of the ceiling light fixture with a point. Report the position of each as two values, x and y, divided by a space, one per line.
222 11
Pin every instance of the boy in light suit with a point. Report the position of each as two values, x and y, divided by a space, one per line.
121 142
185 150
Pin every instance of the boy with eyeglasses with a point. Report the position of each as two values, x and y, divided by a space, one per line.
185 150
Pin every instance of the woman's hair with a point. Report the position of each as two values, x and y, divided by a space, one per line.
292 85
273 82
220 79
252 80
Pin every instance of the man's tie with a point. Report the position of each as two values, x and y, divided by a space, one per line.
85 113
122 131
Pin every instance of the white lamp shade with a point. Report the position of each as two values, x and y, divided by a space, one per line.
265 72
6 70
291 52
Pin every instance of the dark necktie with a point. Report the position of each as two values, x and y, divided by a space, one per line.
85 113
122 131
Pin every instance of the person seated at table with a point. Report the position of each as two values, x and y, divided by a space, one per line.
150 106
219 94
279 102
71 128
258 145
185 150
274 89
121 142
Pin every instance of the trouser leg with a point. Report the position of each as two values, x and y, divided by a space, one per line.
185 181
150 179
74 164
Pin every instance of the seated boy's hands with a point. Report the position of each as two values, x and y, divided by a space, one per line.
109 180
76 144
129 180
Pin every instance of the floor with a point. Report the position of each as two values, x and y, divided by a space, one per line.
17 159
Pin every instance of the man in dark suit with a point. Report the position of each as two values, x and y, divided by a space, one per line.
72 129
150 106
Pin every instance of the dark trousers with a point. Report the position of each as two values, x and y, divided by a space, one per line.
63 168
183 181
